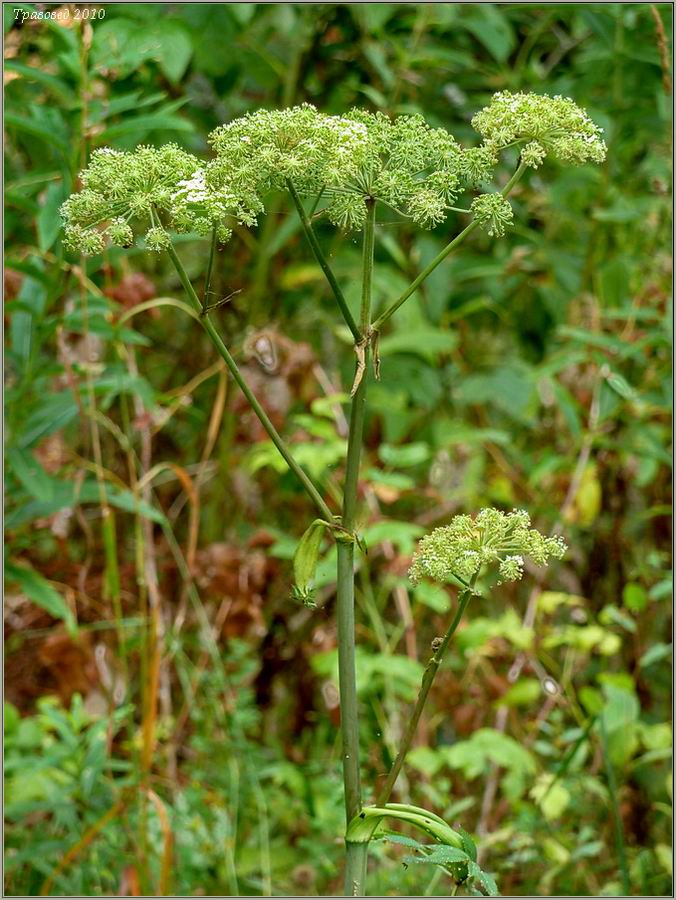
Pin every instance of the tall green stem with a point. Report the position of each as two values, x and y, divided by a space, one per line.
355 865
274 435
440 257
323 262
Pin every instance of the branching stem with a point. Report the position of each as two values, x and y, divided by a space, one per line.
428 678
427 271
274 435
323 262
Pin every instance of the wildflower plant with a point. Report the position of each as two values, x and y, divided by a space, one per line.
348 168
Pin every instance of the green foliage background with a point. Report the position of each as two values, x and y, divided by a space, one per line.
532 371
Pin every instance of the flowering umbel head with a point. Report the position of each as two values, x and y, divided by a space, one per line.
493 537
149 186
402 162
548 125
405 163
262 151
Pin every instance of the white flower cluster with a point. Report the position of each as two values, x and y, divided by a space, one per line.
464 547
262 151
402 162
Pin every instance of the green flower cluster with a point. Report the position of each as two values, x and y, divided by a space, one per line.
343 161
553 125
462 548
122 189
262 151
493 213
402 162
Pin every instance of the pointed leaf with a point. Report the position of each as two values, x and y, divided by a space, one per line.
41 593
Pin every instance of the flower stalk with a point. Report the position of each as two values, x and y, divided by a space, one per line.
323 262
441 256
263 417
429 675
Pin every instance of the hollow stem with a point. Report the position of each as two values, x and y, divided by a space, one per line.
355 866
274 435
440 257
323 262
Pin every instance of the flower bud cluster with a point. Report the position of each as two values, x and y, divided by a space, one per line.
493 537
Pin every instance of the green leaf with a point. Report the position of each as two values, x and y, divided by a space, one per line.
394 838
31 73
402 534
487 882
425 760
49 221
145 123
655 654
491 28
432 595
551 796
54 411
31 474
621 386
489 745
125 500
525 692
441 856
41 593
174 49
427 343
468 844
408 455
38 129
634 597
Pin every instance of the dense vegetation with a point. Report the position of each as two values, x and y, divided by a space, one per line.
172 716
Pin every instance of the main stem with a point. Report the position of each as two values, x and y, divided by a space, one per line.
274 435
355 864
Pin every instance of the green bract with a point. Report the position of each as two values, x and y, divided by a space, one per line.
493 537
556 124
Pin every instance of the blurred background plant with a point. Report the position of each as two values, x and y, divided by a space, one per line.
171 715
